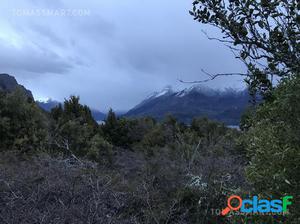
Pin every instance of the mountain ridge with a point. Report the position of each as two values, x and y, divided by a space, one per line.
9 84
196 101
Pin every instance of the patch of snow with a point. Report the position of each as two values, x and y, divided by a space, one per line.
198 88
101 122
165 91
181 93
44 99
152 95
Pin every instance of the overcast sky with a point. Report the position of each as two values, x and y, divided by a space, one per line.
114 54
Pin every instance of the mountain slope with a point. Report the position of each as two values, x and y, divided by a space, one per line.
197 101
8 83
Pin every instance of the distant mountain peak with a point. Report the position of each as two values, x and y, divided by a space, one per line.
167 90
198 88
197 100
45 100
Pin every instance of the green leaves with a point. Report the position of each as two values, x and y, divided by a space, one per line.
23 126
74 126
261 29
273 143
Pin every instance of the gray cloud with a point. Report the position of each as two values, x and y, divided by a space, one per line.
95 27
114 57
47 33
47 3
32 59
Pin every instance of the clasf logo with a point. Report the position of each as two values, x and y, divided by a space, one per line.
256 205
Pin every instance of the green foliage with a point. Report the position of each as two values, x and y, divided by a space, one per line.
150 181
155 137
73 110
273 144
207 129
23 126
264 34
75 131
76 135
140 127
116 130
100 150
57 112
73 127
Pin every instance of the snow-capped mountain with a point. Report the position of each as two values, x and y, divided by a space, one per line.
167 91
195 101
198 89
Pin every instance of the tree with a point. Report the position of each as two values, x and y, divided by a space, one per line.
111 121
23 125
117 130
100 150
264 34
74 127
57 112
74 110
273 144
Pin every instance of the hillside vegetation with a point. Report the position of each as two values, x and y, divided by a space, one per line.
63 167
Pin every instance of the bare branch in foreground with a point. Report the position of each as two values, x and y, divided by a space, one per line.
66 146
212 77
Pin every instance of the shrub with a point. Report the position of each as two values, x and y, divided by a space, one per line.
273 144
73 127
23 126
100 150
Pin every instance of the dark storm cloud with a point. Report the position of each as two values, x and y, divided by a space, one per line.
151 57
113 57
32 59
49 34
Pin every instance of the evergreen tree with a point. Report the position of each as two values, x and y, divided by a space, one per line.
74 127
263 34
23 125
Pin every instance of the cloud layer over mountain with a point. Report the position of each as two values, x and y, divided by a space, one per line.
112 57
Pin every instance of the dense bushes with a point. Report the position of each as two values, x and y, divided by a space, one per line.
73 128
170 172
23 126
100 150
165 187
273 145
149 166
